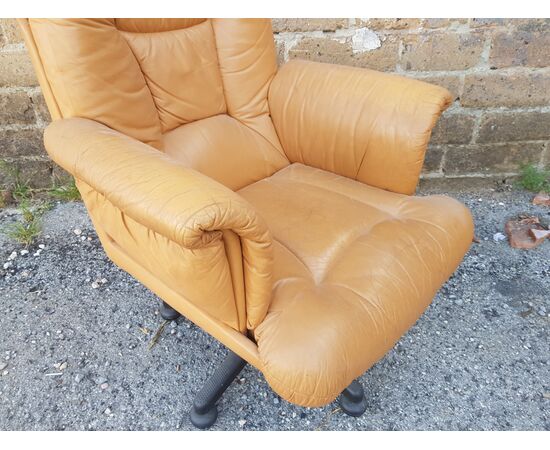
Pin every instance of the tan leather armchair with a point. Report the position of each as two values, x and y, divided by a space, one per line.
271 207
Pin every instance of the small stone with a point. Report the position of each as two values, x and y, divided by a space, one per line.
12 256
242 423
4 373
276 400
497 237
77 231
37 253
41 246
7 265
63 366
107 411
103 280
82 238
3 365
95 285
24 252
78 377
104 386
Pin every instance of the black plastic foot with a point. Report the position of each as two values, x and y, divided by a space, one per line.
204 420
204 412
352 400
167 312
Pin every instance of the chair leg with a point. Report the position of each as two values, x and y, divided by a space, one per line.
204 412
167 312
352 400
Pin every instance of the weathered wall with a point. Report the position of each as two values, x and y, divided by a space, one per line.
497 69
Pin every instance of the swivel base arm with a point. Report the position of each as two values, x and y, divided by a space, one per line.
204 412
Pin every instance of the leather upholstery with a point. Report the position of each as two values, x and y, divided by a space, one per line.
370 126
354 267
271 207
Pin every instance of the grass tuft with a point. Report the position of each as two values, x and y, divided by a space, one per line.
29 228
66 192
534 179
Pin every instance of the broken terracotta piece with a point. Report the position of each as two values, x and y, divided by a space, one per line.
525 232
542 199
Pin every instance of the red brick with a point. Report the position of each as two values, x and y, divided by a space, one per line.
453 128
16 70
331 51
442 51
490 158
16 109
520 48
510 90
389 24
286 25
516 126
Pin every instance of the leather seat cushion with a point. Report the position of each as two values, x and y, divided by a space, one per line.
355 266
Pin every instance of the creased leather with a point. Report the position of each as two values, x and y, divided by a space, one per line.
366 125
178 203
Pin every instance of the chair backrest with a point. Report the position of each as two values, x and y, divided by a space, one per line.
145 77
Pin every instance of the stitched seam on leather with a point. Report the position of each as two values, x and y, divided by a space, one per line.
293 254
144 77
377 206
224 90
266 100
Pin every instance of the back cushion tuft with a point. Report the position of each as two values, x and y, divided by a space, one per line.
182 72
93 74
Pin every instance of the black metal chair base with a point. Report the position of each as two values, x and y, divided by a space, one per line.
204 412
352 400
167 312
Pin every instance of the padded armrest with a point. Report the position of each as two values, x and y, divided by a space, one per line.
359 123
177 202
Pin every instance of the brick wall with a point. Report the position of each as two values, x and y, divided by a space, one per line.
497 69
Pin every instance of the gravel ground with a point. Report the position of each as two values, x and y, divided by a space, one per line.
75 330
